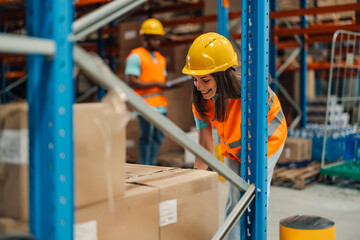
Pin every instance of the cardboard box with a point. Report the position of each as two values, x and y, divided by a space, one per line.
14 191
129 36
10 226
135 171
175 56
99 155
95 166
188 200
134 216
132 137
296 150
159 203
13 161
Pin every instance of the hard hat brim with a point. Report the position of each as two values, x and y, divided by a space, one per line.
188 71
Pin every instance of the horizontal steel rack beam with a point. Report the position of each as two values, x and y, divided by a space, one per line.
11 43
102 16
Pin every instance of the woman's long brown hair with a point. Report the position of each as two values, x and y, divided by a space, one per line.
228 87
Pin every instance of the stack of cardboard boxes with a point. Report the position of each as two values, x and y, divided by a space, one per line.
112 200
94 173
159 203
296 153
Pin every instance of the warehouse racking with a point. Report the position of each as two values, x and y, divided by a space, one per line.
51 114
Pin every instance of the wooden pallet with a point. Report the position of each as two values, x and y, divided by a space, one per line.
297 178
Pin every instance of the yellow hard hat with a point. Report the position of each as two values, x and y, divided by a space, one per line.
152 26
209 53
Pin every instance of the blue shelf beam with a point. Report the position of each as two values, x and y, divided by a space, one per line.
254 109
111 40
223 18
273 49
318 87
101 52
50 98
3 81
3 72
303 68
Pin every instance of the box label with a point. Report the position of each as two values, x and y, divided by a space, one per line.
168 212
129 35
14 146
130 143
85 231
287 153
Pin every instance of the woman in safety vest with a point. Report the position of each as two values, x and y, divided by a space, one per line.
217 103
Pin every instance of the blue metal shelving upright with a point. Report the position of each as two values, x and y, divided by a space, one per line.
273 49
3 82
254 109
3 73
101 53
50 98
223 18
303 69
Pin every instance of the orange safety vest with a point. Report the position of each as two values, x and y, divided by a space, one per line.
151 71
230 130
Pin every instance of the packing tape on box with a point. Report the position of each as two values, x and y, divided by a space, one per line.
113 118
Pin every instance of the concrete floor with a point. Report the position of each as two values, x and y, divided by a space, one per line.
341 205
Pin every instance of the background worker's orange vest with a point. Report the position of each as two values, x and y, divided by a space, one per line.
150 72
230 130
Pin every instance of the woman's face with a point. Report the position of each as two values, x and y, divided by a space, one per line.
205 84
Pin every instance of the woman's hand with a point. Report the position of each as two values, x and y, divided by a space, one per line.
200 165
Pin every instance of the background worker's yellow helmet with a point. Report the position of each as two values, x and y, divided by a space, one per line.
152 26
209 53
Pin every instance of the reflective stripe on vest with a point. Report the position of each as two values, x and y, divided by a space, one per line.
271 100
275 123
151 71
235 144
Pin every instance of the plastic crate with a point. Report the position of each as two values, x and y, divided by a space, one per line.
345 170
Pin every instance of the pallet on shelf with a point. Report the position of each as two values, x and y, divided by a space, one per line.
296 178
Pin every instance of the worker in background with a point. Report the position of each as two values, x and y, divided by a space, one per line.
145 72
211 60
